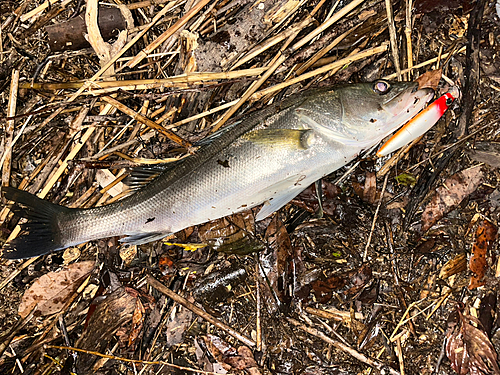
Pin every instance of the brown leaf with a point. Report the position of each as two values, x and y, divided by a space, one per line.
219 349
347 283
231 234
279 275
244 361
179 322
486 152
50 292
485 235
450 194
137 322
469 349
430 79
453 266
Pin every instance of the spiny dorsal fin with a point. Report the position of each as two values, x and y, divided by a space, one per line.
143 175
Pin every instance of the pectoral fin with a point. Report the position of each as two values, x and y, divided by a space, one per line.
295 138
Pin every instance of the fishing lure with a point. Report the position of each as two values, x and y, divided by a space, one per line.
417 125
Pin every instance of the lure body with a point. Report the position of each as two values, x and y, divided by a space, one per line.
417 125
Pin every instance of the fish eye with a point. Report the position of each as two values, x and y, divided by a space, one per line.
381 87
449 101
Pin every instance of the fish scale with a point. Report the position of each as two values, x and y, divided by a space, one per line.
268 158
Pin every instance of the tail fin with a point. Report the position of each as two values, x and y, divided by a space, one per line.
40 234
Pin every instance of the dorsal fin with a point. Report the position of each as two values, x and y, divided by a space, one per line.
143 175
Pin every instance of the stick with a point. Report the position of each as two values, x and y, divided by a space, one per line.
345 348
198 311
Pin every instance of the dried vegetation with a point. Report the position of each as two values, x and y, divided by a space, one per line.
380 282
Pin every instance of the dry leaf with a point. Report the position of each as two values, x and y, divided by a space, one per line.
485 235
486 152
453 266
430 79
469 349
450 194
231 234
278 263
137 322
179 321
244 361
50 292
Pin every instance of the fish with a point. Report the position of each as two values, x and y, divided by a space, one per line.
418 125
265 159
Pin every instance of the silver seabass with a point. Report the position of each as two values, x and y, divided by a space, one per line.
268 158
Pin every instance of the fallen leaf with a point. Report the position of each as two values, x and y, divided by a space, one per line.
430 79
244 361
231 234
50 292
453 266
469 349
348 283
486 152
485 235
277 262
446 197
179 321
137 323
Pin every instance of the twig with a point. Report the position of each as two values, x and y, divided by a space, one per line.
318 55
258 329
345 348
337 16
408 27
275 63
365 255
259 94
182 80
128 360
198 311
62 167
425 63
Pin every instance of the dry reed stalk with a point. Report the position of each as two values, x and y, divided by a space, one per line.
156 18
144 120
167 34
425 63
9 129
144 84
260 94
108 109
337 16
392 35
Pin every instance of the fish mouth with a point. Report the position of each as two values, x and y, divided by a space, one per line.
405 106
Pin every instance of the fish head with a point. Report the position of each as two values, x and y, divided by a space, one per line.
371 111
